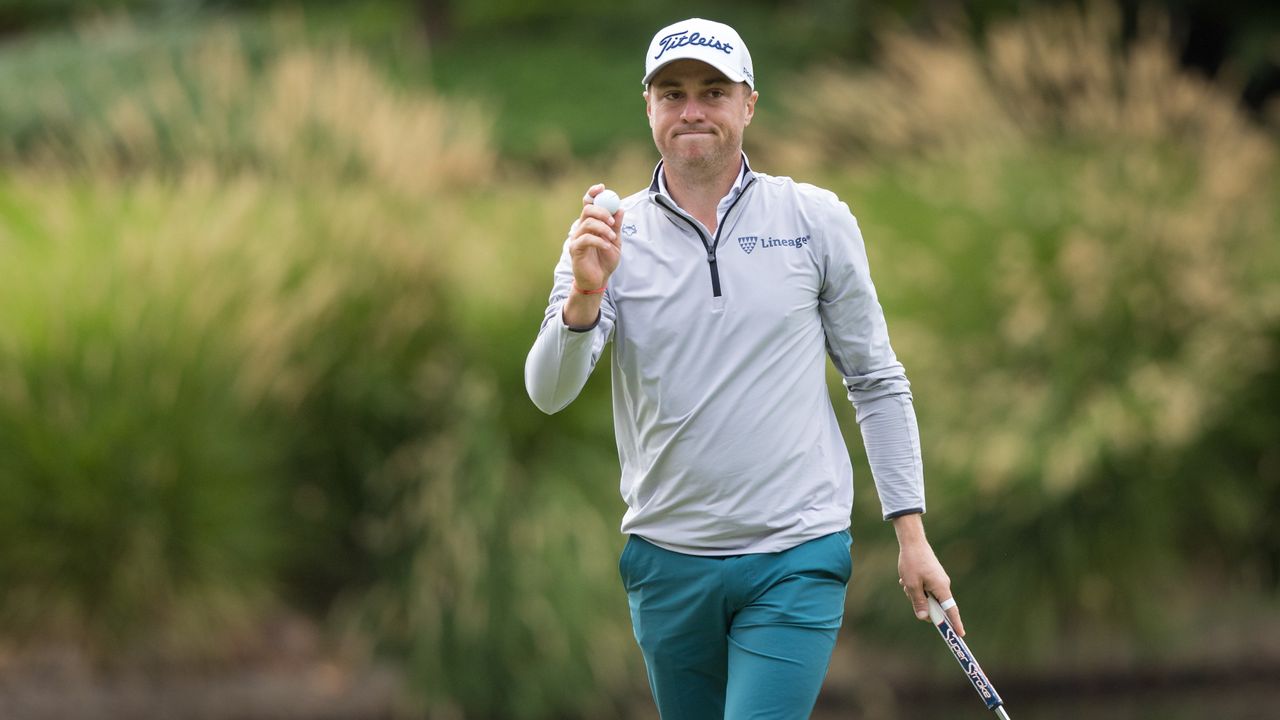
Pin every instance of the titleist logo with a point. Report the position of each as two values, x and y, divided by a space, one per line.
684 37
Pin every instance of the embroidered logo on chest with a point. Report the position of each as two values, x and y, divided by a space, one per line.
748 243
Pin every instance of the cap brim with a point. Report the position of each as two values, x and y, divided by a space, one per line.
733 75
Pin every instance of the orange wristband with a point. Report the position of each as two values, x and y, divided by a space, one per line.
597 291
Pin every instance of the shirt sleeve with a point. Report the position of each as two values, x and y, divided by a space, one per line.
857 340
562 358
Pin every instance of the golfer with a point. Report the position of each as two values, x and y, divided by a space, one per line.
723 290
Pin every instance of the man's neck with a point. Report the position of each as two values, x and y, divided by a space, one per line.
699 193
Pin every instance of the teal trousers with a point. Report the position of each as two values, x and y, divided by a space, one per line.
741 637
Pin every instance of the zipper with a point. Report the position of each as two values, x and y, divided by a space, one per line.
707 244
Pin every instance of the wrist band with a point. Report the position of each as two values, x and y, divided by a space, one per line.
597 291
948 603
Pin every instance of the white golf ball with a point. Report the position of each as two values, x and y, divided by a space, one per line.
608 200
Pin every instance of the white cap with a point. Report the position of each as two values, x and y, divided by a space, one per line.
715 44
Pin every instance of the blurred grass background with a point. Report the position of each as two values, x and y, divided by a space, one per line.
268 275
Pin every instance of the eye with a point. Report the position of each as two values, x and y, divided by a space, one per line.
715 93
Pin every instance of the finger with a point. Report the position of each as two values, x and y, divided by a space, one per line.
594 242
591 193
953 615
595 226
918 601
949 607
598 213
592 226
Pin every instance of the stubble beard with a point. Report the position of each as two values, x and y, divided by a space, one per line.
704 166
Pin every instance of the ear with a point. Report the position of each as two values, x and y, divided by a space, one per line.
648 108
751 105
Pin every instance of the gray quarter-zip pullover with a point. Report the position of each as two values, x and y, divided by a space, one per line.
725 430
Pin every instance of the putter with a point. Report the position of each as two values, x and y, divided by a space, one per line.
977 678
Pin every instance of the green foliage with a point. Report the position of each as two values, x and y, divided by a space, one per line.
567 84
136 492
1079 248
273 395
231 101
263 318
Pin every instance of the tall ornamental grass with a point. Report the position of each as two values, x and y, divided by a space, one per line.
257 346
137 494
1076 242
260 102
263 318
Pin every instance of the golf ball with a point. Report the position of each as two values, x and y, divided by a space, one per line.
608 200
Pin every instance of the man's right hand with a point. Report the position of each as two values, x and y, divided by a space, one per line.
595 249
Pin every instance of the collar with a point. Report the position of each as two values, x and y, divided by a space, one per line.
659 184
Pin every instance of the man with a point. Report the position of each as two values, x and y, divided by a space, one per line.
721 290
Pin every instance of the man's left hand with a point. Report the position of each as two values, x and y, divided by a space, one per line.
919 572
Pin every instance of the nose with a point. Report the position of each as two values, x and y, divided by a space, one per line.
692 110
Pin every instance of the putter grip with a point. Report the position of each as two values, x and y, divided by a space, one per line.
961 652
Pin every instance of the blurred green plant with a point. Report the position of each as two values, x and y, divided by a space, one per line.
136 502
263 269
263 316
1078 241
214 96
